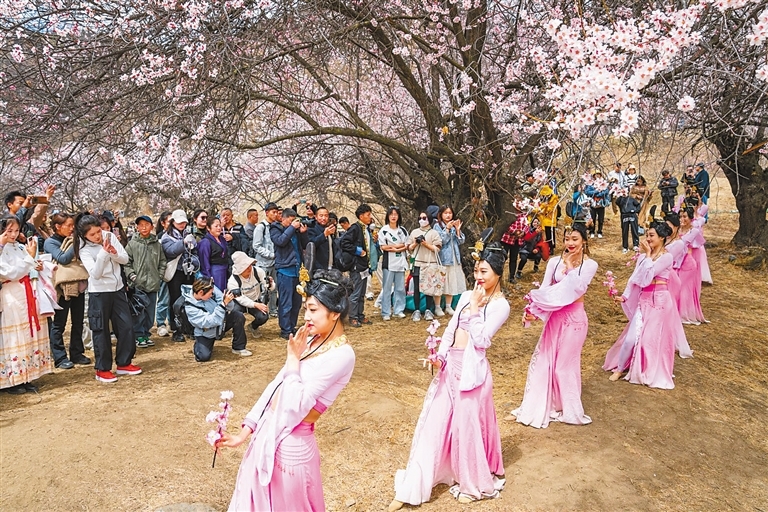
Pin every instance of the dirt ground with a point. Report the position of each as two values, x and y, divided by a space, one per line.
139 444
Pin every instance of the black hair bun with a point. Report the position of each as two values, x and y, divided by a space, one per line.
332 289
673 218
662 229
495 255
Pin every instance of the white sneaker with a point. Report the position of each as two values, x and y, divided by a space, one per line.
162 330
599 235
243 352
624 251
386 318
400 315
591 235
428 316
438 311
449 310
368 296
416 317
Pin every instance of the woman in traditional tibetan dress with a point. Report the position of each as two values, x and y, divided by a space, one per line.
553 387
457 435
646 347
280 470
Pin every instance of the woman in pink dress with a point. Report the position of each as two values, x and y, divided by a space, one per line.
689 301
646 347
457 436
697 244
553 387
281 467
676 247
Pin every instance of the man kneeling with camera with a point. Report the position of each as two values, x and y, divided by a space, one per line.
210 315
251 286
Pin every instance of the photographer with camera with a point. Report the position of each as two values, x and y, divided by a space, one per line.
322 234
210 314
289 238
424 244
178 245
250 286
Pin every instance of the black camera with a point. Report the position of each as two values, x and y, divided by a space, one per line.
419 239
237 292
308 222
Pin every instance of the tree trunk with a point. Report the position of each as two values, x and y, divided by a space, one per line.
749 183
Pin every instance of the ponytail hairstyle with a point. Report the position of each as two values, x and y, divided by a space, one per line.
58 219
159 226
83 223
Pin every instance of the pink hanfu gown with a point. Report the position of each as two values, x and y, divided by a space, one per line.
691 275
553 386
646 347
457 435
280 470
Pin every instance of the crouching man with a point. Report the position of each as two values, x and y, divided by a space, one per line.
250 286
207 311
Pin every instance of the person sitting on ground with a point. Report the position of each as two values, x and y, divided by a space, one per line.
254 287
207 311
533 247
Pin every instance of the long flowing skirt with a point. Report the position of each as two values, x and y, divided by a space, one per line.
700 255
455 282
456 440
690 292
681 343
647 345
25 355
553 385
296 483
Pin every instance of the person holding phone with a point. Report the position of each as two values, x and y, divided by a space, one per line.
452 238
102 255
208 311
25 351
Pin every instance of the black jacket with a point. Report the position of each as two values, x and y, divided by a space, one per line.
352 239
316 235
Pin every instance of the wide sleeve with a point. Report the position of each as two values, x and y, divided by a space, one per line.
549 272
15 264
253 417
574 284
484 324
647 269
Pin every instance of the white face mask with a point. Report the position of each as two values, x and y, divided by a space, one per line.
423 223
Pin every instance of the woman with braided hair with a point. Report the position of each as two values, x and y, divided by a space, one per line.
281 467
646 347
553 385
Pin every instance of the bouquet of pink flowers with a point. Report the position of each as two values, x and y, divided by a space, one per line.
220 418
432 342
611 284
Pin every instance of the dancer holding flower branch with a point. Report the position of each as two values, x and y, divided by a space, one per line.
281 467
457 435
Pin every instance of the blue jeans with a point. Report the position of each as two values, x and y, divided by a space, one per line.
145 323
398 280
161 316
288 303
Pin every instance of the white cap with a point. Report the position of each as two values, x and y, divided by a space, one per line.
179 216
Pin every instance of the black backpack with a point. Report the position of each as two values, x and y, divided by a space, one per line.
343 261
182 320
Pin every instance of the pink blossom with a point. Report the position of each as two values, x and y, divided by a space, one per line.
686 104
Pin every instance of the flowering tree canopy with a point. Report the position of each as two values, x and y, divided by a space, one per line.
407 101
